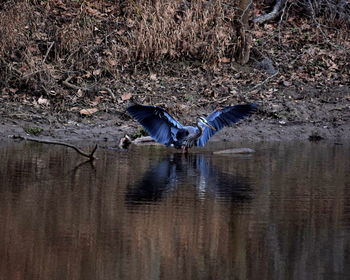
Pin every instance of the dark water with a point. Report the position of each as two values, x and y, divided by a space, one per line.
282 213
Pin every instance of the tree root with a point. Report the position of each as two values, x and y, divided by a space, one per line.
277 9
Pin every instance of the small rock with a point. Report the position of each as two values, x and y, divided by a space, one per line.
144 140
315 137
125 142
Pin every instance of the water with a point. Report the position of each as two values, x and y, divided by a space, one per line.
282 213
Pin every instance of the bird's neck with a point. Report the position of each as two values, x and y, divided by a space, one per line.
200 130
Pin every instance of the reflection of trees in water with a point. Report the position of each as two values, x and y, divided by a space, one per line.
183 170
300 224
37 164
296 227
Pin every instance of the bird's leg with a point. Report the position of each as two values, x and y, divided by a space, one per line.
184 149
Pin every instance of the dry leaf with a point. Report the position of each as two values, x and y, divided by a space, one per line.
96 101
153 77
258 33
225 60
93 11
183 107
121 31
87 75
88 112
126 96
112 62
43 101
96 72
80 93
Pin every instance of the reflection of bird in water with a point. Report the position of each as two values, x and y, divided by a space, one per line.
168 131
188 169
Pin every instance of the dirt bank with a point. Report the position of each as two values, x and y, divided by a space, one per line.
285 113
106 131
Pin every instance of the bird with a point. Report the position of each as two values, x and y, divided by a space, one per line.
165 129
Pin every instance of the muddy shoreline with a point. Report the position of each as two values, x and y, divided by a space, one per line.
107 131
284 113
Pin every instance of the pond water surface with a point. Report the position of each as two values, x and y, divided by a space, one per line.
150 213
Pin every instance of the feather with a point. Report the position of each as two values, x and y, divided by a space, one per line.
225 117
160 125
166 130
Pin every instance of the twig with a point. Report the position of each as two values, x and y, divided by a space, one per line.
68 84
93 88
90 156
31 73
264 81
283 11
244 11
318 25
48 51
109 91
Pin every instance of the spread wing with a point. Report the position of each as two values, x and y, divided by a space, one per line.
225 117
161 126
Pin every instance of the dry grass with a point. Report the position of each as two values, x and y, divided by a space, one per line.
97 35
15 25
200 30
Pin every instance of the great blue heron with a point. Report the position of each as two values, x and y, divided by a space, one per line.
163 128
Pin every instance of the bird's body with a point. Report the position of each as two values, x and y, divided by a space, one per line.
168 131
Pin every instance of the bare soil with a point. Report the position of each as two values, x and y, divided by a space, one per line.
285 113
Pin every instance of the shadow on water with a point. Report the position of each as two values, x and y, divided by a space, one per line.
196 170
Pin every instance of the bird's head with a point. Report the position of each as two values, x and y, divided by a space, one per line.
206 123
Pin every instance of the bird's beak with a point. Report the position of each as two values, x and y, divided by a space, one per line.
210 126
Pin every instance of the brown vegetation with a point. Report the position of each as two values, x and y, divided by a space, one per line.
44 42
48 41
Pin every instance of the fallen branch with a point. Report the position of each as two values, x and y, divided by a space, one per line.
264 81
90 156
